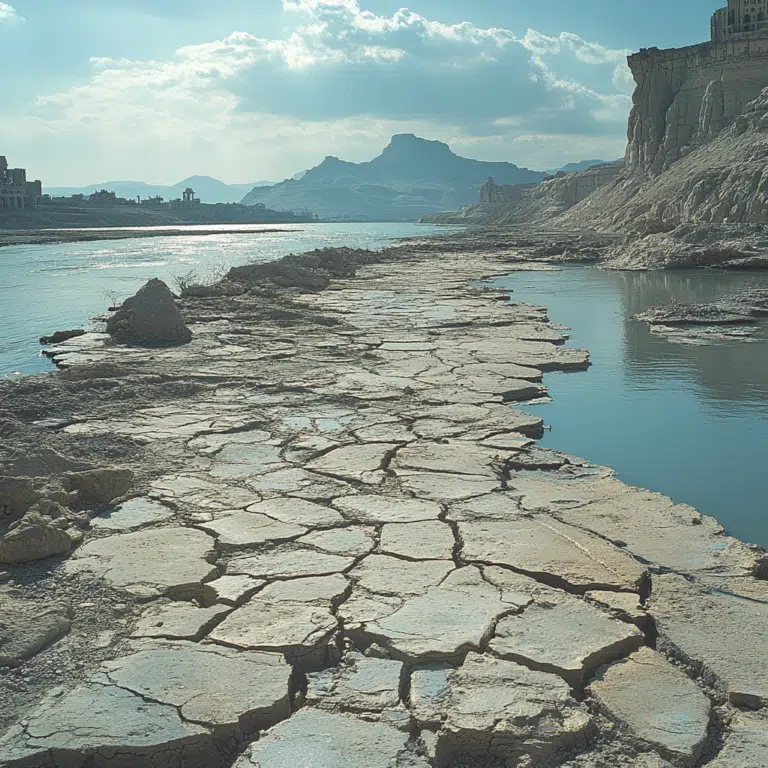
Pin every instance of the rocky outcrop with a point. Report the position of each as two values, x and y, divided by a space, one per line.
686 96
150 318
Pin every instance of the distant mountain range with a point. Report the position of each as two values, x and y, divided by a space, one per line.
409 179
208 189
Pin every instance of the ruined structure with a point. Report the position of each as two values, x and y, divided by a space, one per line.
188 201
15 190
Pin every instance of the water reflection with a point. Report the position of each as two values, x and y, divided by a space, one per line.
689 421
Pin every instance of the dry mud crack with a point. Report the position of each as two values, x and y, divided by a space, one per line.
336 545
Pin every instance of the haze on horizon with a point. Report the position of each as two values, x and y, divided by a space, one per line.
260 89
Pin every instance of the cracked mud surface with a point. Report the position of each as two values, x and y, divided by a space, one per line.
341 548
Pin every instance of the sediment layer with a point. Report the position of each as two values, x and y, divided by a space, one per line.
342 548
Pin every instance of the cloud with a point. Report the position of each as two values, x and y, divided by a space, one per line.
340 79
9 14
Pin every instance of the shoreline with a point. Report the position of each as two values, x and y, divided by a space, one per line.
293 439
56 236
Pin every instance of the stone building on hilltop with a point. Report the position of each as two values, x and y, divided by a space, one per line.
15 191
685 96
740 20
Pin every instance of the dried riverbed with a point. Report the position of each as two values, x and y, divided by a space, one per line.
342 548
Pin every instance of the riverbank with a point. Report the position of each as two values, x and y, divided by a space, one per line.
385 568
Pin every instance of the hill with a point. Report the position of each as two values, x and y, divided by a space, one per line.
208 189
409 179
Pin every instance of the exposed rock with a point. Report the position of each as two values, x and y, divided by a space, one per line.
59 336
555 552
721 634
570 638
358 685
298 512
100 486
659 704
294 618
498 709
150 318
363 463
326 740
178 621
108 727
285 562
34 537
429 540
246 529
17 495
443 623
210 685
385 575
746 744
132 514
385 509
165 561
27 627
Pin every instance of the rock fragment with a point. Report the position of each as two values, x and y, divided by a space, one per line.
498 709
28 626
316 739
166 561
570 638
658 703
360 684
431 540
294 618
746 744
210 685
371 510
721 634
553 551
150 318
99 486
178 621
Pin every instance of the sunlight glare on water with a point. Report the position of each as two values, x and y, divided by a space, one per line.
45 288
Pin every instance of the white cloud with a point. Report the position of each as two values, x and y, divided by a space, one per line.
340 82
8 13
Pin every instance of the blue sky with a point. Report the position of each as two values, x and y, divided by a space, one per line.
252 89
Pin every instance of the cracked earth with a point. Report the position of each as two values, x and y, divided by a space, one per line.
339 546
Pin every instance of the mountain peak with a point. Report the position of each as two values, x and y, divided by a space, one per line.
409 142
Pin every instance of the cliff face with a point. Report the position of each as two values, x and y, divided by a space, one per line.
685 96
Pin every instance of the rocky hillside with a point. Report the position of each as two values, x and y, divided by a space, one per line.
411 178
723 180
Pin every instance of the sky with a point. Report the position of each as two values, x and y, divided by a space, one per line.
245 90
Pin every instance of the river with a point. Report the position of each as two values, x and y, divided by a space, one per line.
688 421
45 288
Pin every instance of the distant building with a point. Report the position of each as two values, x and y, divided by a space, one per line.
15 190
740 20
103 197
187 203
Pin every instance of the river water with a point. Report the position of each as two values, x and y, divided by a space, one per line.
688 421
45 288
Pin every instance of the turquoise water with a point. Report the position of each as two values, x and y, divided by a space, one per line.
688 421
45 288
